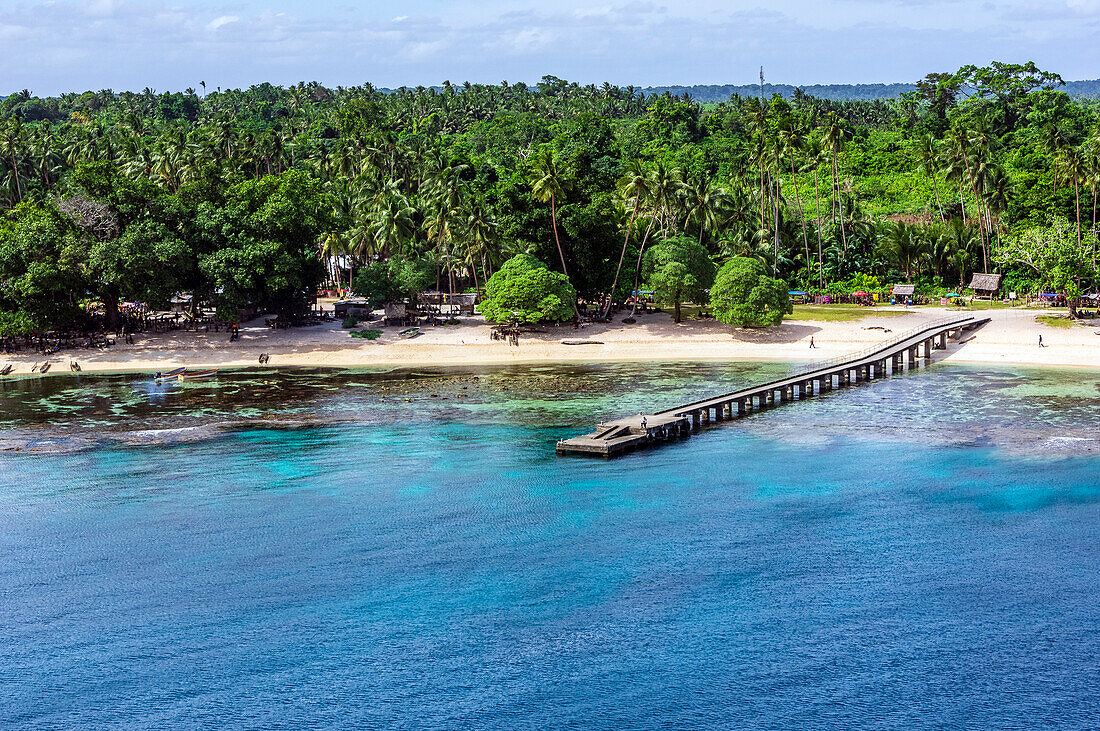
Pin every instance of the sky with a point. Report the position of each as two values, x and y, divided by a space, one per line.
54 46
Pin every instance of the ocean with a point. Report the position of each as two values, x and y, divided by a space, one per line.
403 549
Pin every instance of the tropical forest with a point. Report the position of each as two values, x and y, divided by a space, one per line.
258 198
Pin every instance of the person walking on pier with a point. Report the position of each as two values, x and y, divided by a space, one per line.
644 422
812 346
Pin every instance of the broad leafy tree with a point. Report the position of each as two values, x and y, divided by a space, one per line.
744 295
1052 252
42 272
264 243
678 270
524 290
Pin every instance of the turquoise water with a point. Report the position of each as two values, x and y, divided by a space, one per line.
404 549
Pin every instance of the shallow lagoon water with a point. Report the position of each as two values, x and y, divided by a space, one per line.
313 549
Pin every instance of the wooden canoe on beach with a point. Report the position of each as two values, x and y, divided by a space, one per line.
196 375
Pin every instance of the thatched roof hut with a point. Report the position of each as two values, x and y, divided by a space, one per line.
986 284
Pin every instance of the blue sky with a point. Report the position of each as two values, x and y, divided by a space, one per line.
51 46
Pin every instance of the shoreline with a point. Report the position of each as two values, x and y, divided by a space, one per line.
1010 339
288 366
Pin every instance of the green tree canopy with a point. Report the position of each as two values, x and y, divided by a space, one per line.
743 294
131 231
678 270
146 263
396 279
41 269
524 290
264 243
1053 253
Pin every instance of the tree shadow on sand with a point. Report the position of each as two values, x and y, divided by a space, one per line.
786 333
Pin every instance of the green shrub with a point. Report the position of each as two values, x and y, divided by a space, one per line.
525 290
744 295
349 322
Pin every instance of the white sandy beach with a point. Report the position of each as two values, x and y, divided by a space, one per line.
1011 338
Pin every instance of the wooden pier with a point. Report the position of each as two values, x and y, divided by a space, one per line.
895 356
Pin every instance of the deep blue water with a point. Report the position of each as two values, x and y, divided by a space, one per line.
922 552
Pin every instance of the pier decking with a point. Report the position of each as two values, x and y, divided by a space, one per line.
888 358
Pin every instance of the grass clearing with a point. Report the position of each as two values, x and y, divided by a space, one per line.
986 305
839 313
1055 321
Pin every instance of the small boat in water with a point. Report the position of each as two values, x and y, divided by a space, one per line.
196 375
168 375
411 332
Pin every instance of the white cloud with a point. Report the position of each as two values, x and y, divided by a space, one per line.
221 21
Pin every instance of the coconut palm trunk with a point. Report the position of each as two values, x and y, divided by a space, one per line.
557 242
15 174
638 268
981 224
840 205
939 206
446 256
1077 198
622 254
802 220
1094 191
817 228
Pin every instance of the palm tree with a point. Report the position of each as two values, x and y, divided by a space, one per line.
46 159
1054 139
928 160
816 155
962 243
445 193
904 245
12 142
633 185
960 141
983 142
331 248
1073 166
392 220
547 185
794 140
756 125
703 204
999 188
835 137
480 231
667 185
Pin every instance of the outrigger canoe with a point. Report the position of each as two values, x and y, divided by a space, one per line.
411 332
196 375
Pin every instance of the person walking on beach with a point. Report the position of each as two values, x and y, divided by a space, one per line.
812 346
1041 341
